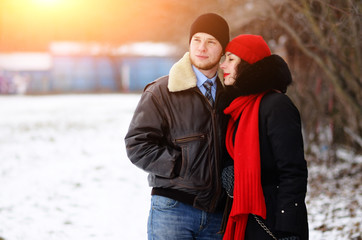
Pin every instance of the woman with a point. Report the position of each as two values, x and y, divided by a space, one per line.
265 142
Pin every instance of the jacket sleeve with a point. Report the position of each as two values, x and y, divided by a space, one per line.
285 137
146 141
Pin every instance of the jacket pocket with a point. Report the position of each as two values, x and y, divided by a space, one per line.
190 138
189 146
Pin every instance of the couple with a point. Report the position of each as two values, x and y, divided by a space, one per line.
198 127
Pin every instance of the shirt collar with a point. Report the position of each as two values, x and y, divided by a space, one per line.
201 78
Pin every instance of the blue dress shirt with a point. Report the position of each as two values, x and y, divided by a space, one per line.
201 78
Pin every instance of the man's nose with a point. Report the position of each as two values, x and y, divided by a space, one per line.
202 46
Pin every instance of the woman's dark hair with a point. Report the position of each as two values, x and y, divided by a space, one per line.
241 67
269 73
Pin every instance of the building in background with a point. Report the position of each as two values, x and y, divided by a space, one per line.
143 62
71 67
20 72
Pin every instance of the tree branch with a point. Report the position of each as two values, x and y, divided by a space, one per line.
330 73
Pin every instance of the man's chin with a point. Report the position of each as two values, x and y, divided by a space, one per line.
203 66
206 68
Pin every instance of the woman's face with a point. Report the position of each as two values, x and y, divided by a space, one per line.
229 67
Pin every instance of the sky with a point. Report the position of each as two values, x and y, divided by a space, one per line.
27 25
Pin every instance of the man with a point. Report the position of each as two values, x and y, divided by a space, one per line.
177 136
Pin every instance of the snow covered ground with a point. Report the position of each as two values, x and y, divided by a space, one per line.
64 174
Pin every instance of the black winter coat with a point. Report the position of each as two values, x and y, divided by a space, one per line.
177 137
283 167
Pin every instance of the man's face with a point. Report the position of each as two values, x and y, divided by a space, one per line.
205 51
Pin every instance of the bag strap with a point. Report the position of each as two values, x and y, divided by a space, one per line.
264 227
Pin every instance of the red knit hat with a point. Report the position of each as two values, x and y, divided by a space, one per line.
250 48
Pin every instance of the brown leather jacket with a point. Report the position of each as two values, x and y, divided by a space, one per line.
178 138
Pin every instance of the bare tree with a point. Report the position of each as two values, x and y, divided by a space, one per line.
324 51
328 33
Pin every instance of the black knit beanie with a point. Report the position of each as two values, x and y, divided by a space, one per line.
212 24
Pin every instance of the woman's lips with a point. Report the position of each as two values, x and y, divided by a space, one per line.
226 74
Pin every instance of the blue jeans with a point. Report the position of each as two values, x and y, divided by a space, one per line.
173 220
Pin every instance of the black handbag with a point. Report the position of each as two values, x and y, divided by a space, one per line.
227 177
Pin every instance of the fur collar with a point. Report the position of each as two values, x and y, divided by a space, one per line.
267 74
182 76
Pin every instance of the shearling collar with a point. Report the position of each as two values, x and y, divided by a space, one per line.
269 73
182 77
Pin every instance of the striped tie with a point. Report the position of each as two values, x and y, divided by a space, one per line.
207 85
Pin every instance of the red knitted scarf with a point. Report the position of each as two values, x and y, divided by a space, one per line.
248 192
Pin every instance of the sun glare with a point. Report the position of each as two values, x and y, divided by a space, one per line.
45 21
46 2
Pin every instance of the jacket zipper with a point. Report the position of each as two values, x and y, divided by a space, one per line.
216 152
189 139
217 161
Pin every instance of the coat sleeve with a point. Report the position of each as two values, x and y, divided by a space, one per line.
146 140
285 137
